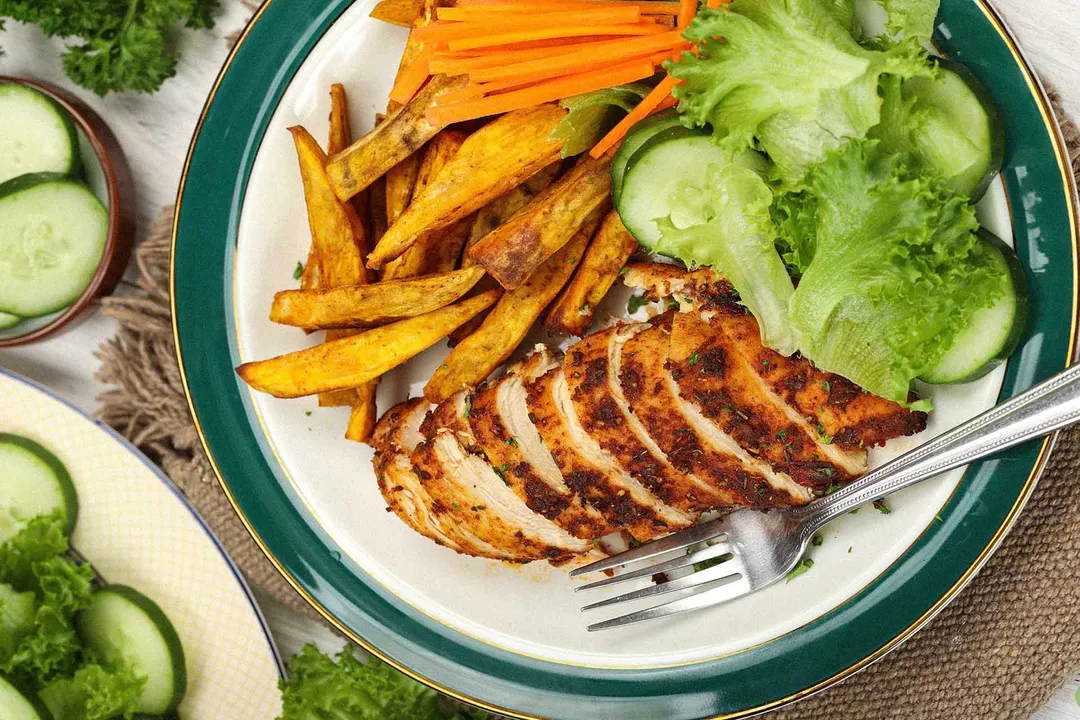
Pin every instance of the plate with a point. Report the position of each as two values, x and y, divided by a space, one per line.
512 639
137 530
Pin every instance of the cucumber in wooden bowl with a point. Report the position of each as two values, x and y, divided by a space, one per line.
36 134
53 232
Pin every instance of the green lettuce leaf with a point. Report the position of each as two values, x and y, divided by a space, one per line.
38 540
727 225
94 693
31 562
321 689
911 18
16 619
593 114
790 58
894 270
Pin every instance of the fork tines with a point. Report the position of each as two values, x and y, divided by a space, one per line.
721 579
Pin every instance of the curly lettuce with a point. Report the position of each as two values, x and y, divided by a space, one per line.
320 688
94 692
786 75
726 225
911 19
891 266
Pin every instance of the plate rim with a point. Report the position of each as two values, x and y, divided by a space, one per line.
114 435
1072 203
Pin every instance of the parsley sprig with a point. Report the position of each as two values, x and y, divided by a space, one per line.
114 45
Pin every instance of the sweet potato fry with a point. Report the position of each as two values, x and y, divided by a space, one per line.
400 186
402 134
361 306
518 247
503 208
398 12
572 313
494 159
436 251
478 355
353 361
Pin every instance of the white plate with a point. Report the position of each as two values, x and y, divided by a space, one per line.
137 529
493 602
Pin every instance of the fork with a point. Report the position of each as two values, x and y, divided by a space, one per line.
748 550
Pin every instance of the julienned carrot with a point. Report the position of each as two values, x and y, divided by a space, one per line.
443 30
608 16
647 8
542 92
412 78
555 31
597 53
687 11
648 104
460 64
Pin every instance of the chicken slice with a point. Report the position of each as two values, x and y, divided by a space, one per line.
850 416
605 416
499 419
479 501
396 435
714 375
590 471
691 442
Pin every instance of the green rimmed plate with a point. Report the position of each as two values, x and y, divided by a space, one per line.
510 638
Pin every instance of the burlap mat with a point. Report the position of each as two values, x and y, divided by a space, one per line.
999 651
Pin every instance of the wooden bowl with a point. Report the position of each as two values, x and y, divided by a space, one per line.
120 204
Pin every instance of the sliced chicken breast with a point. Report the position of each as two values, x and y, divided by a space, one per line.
590 471
396 435
692 443
499 419
714 375
850 416
479 502
604 415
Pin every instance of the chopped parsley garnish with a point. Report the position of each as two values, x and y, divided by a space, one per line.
882 507
635 303
308 413
673 303
782 435
833 487
826 386
468 405
511 442
501 470
827 471
825 437
694 359
849 550
800 569
817 540
584 309
299 271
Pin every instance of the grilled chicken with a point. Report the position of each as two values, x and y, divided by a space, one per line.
640 428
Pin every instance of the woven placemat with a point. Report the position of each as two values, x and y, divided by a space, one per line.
999 651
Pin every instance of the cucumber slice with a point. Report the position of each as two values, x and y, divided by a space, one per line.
8 320
35 483
16 706
36 134
638 136
123 625
669 164
994 332
52 236
961 134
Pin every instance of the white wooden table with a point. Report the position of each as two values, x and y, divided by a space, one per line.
155 131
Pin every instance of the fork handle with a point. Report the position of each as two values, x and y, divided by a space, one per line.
1043 409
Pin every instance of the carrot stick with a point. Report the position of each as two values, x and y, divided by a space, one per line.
512 6
687 11
627 13
555 31
599 53
449 63
543 92
644 108
412 77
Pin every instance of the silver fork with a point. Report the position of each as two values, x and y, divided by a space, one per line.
749 550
